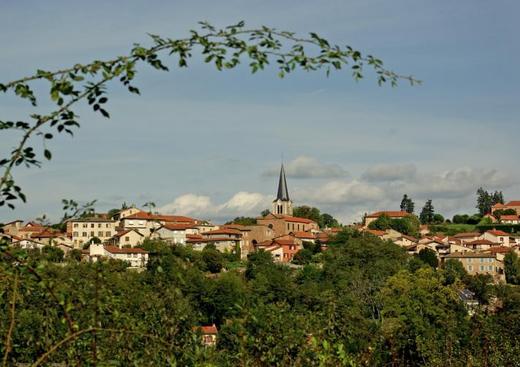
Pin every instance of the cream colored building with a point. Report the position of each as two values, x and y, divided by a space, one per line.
480 263
135 257
83 230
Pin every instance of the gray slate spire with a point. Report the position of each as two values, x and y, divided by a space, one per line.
283 193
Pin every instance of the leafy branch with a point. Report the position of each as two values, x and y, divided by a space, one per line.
224 48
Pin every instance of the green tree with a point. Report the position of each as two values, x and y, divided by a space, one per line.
438 219
429 256
486 200
453 271
512 268
53 254
302 257
407 205
213 259
422 338
246 221
427 213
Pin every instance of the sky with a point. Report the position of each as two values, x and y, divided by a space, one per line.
209 144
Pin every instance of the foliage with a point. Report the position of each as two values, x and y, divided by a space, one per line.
213 259
500 212
453 271
407 204
428 256
246 221
427 215
485 200
52 254
512 268
408 225
360 306
302 257
324 220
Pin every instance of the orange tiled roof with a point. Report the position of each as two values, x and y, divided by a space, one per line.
509 217
164 218
178 227
467 235
306 235
499 250
223 231
207 329
496 232
513 203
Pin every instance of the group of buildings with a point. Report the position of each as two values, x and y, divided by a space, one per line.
280 233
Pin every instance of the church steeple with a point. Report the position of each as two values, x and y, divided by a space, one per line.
282 205
283 193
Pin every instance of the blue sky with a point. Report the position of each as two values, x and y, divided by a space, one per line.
207 143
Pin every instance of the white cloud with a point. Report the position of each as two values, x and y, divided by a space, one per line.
308 167
342 192
240 204
390 172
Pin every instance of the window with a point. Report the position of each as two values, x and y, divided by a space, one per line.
127 239
108 234
84 234
99 225
76 225
469 260
482 267
75 234
91 225
100 234
481 260
85 225
107 225
92 233
470 268
490 267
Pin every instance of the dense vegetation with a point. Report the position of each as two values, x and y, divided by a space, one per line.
366 303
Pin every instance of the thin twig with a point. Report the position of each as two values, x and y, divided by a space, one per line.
12 315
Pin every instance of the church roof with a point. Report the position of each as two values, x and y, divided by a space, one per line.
283 192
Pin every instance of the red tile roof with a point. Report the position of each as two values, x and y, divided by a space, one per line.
306 235
499 250
288 218
159 217
513 203
481 242
223 231
391 214
207 329
216 239
496 232
121 234
467 235
178 227
509 217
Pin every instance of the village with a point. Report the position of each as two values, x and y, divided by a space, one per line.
279 232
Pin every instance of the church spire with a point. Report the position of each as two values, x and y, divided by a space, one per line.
282 205
283 193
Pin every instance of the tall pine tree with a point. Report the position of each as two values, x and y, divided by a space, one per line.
407 205
427 213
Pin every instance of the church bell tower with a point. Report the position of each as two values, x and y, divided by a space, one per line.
282 205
